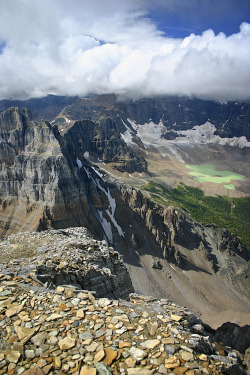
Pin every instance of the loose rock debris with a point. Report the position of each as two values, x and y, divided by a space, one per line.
69 331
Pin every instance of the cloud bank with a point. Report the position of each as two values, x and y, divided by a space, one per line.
82 47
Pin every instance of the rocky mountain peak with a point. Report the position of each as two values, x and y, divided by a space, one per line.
15 119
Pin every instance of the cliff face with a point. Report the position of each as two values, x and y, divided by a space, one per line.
102 140
39 186
190 245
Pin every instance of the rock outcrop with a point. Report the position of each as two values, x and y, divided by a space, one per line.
234 336
102 140
69 256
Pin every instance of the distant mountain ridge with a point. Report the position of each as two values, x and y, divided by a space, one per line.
45 108
73 172
230 118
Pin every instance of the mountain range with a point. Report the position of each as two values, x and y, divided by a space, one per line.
111 166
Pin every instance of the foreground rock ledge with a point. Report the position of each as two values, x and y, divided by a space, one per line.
67 256
67 331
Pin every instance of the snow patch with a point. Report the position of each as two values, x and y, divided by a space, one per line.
98 173
151 134
128 138
88 174
79 163
106 226
204 134
86 155
116 225
111 209
67 120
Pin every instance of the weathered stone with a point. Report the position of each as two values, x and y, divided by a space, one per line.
34 370
99 355
80 348
66 343
187 356
153 328
24 334
18 347
177 318
92 347
139 371
30 354
103 368
110 356
103 302
167 340
203 357
80 313
38 339
130 362
88 371
123 344
162 369
136 353
86 336
13 311
57 363
13 356
150 344
180 370
54 317
169 349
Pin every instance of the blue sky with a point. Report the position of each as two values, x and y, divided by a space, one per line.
180 18
133 48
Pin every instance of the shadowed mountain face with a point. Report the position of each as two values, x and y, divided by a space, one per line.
77 171
45 108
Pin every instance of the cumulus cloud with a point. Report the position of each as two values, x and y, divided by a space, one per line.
87 46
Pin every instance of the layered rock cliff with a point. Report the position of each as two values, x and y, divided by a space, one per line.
39 186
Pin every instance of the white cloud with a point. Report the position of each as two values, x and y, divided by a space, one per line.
80 47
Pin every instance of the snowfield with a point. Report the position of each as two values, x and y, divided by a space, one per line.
151 134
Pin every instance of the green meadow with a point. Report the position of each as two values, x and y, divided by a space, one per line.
232 214
208 173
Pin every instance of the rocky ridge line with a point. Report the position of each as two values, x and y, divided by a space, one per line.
67 256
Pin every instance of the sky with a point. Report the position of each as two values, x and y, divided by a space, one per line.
133 48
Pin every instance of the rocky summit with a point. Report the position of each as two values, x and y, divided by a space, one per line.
67 306
70 331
